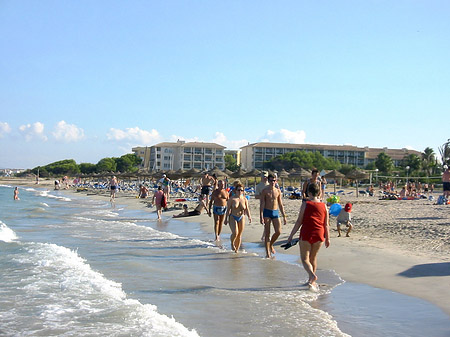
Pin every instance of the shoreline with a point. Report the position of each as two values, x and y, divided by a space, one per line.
388 249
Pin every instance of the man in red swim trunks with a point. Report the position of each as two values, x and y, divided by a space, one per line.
313 219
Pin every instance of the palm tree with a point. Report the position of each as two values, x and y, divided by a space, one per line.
428 160
445 152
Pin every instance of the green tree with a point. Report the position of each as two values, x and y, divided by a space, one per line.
106 165
230 162
302 159
444 150
128 163
428 160
414 162
62 167
87 168
384 163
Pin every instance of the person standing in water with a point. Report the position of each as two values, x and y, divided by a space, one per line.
270 207
114 184
16 193
313 219
237 208
219 198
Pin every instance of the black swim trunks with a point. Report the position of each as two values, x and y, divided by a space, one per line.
206 190
446 186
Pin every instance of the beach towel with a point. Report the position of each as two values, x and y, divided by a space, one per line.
163 201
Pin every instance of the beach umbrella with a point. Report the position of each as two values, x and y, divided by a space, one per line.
299 174
179 173
283 174
239 173
193 173
228 172
357 175
334 174
218 172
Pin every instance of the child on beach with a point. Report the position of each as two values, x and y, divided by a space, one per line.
313 219
345 217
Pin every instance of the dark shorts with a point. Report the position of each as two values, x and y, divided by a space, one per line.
219 210
113 188
206 190
194 212
446 186
271 213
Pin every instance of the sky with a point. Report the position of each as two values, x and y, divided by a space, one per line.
86 80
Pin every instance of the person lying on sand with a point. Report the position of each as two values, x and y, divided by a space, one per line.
197 210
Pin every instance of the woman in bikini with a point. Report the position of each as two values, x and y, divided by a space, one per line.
237 208
313 219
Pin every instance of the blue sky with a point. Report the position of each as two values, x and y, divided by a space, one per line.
91 79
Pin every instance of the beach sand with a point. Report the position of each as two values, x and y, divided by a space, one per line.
403 246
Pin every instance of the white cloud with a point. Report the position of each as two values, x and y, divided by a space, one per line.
33 131
67 132
285 136
144 137
4 129
221 139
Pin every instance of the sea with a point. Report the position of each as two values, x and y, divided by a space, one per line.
71 265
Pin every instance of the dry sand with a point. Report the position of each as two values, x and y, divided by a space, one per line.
403 246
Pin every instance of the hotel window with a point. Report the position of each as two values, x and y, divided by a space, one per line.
198 150
208 151
219 152
198 166
158 156
197 157
208 158
186 166
187 150
187 157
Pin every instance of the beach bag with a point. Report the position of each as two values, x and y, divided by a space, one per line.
163 201
442 200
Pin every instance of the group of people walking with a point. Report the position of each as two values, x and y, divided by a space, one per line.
313 219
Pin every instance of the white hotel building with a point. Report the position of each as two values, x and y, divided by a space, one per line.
254 155
181 155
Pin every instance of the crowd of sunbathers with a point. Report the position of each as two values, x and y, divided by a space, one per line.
410 191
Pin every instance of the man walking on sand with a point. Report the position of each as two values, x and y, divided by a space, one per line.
207 183
258 190
270 207
219 198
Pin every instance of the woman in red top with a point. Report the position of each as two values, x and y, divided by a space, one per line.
313 219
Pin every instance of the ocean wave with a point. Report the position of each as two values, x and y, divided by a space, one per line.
6 233
65 287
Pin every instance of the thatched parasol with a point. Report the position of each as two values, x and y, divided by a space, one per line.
283 174
239 173
357 175
228 172
218 172
334 174
193 173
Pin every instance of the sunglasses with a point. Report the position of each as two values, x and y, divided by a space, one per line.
239 190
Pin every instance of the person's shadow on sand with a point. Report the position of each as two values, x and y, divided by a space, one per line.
429 269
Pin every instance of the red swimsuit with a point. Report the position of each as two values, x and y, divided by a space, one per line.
314 219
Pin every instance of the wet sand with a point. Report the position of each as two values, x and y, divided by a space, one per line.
403 246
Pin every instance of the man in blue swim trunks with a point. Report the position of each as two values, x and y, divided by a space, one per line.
219 198
270 207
